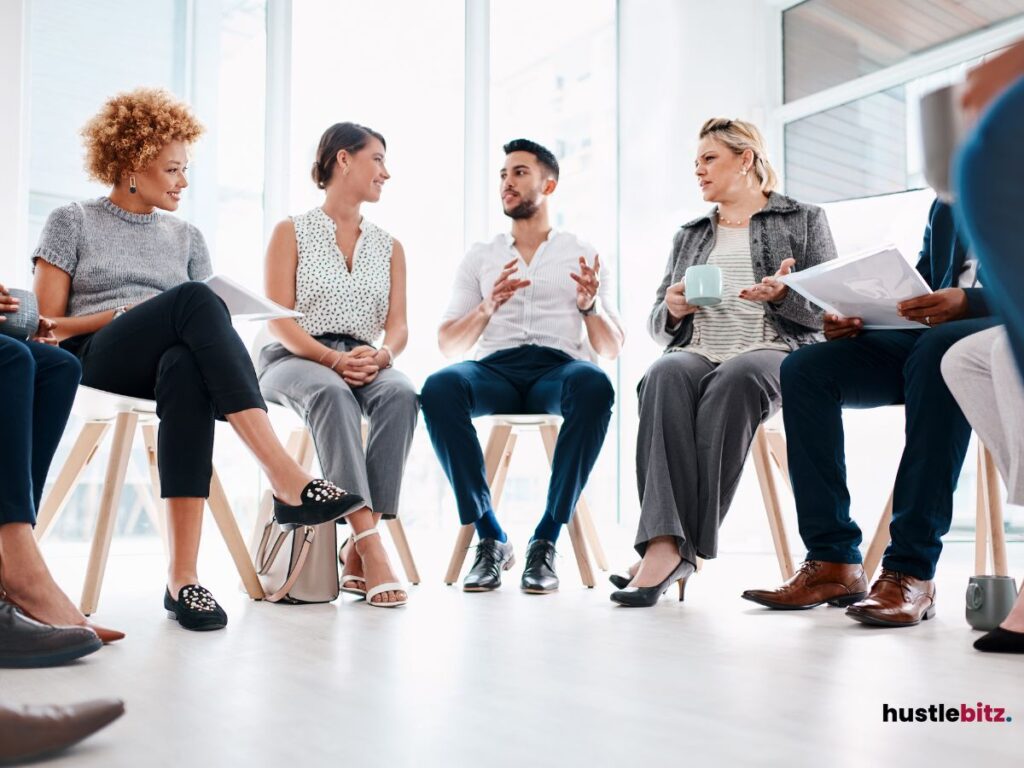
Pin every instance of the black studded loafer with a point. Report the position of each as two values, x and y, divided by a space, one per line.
492 557
195 609
539 577
322 502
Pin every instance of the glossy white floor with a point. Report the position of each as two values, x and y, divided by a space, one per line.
507 679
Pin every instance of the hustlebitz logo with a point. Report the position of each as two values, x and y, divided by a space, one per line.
946 713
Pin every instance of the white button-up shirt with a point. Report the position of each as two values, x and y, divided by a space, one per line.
543 313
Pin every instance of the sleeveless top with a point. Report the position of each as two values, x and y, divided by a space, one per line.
332 299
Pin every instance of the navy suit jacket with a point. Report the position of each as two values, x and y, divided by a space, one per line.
943 255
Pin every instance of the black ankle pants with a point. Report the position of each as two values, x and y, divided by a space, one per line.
179 349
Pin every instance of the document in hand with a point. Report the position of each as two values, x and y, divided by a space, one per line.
868 285
243 304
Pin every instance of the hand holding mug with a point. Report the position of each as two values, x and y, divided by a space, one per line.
675 301
770 288
8 304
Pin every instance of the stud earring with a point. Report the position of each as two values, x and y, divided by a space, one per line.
745 171
131 184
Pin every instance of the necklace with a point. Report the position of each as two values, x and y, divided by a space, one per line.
735 222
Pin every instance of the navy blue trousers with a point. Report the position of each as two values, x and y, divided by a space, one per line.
874 369
990 205
526 379
37 388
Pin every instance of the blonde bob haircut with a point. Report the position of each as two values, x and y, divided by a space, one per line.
739 136
132 128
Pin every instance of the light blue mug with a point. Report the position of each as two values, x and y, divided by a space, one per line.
703 285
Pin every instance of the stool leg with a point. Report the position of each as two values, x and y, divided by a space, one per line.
878 542
549 435
770 494
117 467
159 520
981 508
777 449
497 455
225 519
404 552
82 452
590 531
995 514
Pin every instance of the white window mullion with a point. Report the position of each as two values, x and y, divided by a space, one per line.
478 112
277 171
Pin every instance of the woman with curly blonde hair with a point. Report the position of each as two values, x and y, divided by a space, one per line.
122 281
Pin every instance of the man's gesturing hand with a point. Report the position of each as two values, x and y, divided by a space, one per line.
587 283
503 288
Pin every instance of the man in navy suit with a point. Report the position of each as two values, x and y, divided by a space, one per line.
855 368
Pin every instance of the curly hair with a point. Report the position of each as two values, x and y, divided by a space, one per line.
131 129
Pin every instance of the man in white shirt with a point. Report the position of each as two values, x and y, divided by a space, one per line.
535 302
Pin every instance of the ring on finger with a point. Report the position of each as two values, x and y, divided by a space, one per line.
927 321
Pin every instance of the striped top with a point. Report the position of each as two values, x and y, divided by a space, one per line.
330 297
543 313
734 325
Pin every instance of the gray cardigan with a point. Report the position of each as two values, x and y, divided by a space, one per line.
783 229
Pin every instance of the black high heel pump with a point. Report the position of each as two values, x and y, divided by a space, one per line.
645 597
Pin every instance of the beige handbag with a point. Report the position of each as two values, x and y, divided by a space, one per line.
298 566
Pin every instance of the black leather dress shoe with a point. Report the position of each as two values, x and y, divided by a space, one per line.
25 642
195 609
539 577
32 733
492 557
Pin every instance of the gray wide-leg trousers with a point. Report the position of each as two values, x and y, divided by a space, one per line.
333 411
697 422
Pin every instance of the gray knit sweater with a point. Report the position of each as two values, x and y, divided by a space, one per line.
115 257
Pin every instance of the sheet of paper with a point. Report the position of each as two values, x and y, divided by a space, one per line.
243 304
868 285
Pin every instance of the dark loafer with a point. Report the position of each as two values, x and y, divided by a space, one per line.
322 502
195 609
539 577
492 557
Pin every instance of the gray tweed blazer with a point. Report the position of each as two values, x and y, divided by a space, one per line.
784 228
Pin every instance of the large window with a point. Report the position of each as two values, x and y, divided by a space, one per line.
398 68
854 73
553 80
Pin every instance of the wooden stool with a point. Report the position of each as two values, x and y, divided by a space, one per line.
300 447
100 410
497 455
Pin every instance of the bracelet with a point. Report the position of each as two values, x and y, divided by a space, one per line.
334 367
324 356
391 355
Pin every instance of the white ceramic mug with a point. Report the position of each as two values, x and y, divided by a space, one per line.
703 285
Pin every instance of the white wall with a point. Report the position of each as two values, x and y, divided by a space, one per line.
13 146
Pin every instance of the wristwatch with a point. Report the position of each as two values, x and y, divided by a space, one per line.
119 311
588 312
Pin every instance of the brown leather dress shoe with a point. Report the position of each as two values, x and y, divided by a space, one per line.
895 600
32 732
816 582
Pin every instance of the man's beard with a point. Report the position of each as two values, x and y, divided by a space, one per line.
525 210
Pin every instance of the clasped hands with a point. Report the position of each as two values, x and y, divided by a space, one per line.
588 281
360 365
10 305
770 289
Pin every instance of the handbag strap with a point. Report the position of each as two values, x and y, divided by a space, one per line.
307 542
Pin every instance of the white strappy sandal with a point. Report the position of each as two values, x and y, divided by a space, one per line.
347 577
390 586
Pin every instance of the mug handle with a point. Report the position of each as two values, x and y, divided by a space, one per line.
975 596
